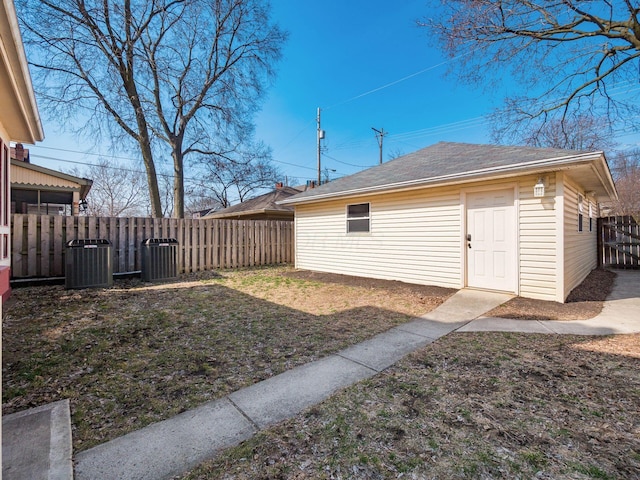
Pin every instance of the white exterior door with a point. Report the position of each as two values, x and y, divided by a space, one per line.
491 240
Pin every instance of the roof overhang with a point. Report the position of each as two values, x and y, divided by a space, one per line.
18 110
82 185
590 170
248 213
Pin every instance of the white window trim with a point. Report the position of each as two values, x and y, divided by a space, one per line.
346 214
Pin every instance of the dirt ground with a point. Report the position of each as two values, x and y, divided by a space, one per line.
585 301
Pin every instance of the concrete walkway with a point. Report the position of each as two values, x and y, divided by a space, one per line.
174 446
36 443
620 315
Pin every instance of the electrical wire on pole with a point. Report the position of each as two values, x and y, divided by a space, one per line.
380 137
320 137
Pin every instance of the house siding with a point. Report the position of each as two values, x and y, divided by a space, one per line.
24 176
580 248
538 239
417 236
414 237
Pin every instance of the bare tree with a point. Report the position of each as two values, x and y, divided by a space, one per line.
226 181
575 56
196 204
395 153
187 73
580 133
117 190
625 170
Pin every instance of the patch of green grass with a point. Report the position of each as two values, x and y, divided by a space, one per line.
534 458
404 464
591 471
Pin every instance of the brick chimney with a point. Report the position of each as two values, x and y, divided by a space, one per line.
279 185
20 153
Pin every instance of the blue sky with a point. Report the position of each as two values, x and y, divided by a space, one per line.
365 64
346 57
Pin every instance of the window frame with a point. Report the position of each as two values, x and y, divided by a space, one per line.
580 212
353 218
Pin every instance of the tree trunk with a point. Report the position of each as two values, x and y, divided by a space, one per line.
178 180
152 179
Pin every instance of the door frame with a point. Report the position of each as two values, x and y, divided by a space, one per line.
464 254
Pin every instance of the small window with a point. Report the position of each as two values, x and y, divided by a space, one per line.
579 222
358 218
590 224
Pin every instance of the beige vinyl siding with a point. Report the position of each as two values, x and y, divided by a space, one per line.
580 248
24 176
415 237
538 239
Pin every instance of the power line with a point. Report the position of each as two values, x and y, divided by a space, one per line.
122 158
395 82
348 164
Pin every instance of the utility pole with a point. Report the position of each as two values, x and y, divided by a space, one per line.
320 137
380 136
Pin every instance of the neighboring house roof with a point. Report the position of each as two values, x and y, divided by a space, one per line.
18 107
55 187
447 163
263 205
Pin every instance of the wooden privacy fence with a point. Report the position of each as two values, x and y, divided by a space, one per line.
618 242
38 242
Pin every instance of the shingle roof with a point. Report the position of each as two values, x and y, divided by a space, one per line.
441 163
261 204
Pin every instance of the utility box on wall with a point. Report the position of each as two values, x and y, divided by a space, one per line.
88 263
159 259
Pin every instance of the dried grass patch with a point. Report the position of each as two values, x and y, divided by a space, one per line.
137 353
470 405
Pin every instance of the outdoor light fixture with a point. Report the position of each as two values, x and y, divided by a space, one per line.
538 188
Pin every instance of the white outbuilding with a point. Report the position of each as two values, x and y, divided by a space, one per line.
512 219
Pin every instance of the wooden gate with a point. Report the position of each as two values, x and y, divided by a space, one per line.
618 242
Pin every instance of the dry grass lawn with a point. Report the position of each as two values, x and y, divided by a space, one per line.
470 405
137 353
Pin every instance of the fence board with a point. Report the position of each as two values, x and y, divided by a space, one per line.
32 245
38 242
45 250
619 242
58 245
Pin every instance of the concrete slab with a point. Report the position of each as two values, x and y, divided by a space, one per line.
493 324
430 328
594 326
285 395
620 315
385 349
36 443
168 448
467 304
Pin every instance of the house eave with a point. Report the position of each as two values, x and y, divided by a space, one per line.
246 213
53 173
535 167
19 100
